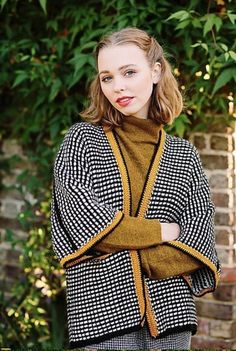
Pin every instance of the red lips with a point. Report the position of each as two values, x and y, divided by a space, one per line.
124 100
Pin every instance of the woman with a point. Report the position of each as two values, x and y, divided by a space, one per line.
132 218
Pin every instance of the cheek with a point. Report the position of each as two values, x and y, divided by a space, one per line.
144 83
145 87
106 92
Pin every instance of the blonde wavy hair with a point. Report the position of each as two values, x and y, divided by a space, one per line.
166 100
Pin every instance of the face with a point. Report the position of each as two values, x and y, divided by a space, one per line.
127 79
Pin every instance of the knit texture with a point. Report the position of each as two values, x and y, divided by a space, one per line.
137 139
108 295
141 340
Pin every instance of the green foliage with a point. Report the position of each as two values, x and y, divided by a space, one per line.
34 317
46 67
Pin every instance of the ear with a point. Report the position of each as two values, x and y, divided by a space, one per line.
156 72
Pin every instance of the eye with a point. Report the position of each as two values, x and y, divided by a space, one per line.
106 79
130 72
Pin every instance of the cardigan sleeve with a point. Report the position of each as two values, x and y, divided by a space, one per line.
78 219
158 262
197 237
164 261
132 233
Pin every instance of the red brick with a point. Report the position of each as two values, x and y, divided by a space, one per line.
6 284
12 223
11 147
201 343
199 141
13 194
225 292
222 218
228 274
203 326
220 127
220 200
223 254
219 143
12 256
222 329
213 162
222 237
218 310
12 271
219 181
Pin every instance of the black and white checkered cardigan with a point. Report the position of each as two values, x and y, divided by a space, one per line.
108 295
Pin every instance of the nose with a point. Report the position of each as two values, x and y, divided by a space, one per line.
118 85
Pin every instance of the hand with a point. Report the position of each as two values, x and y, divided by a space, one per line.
170 231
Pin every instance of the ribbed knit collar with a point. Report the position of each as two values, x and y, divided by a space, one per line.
139 129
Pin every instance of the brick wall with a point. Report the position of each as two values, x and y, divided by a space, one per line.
11 203
217 311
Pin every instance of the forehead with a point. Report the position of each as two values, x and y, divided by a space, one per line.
113 57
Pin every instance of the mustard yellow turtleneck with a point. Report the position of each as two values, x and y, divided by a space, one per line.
138 139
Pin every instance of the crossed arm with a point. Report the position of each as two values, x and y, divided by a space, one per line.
158 260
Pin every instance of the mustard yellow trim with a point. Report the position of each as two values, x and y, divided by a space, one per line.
197 255
150 315
152 176
138 281
99 236
186 278
203 292
123 171
79 260
86 258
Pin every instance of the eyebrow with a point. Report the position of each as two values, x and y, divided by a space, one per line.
120 68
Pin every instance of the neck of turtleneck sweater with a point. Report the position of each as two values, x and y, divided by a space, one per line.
138 139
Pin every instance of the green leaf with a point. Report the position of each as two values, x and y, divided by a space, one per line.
180 15
9 235
212 20
79 60
123 23
75 78
225 76
195 45
52 24
209 24
226 56
3 3
180 128
88 45
55 89
41 310
183 24
196 23
180 125
60 48
204 46
54 130
232 54
43 4
224 47
185 118
20 78
232 17
25 58
218 23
